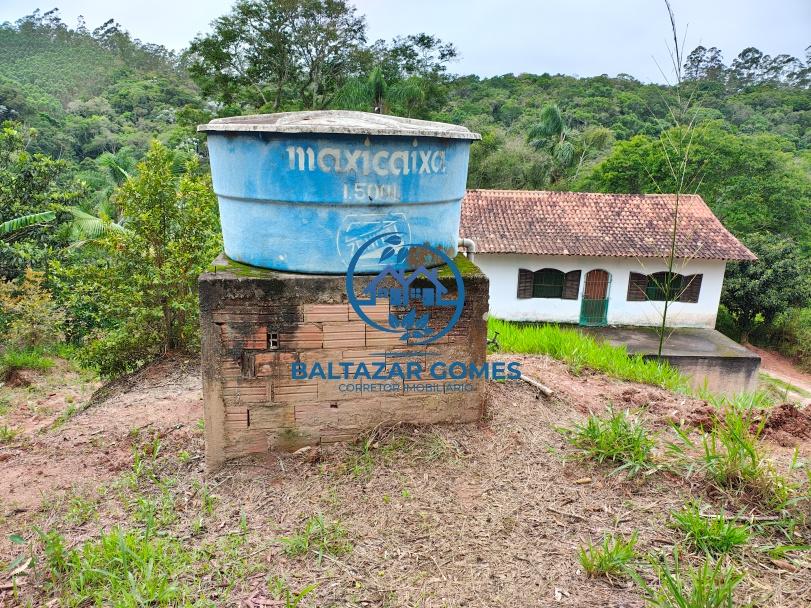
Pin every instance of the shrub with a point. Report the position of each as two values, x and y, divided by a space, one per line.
791 335
579 351
28 315
618 437
610 558
143 291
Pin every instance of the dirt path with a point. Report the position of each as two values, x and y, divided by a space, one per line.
782 368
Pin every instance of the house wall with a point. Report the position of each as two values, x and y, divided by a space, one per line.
502 270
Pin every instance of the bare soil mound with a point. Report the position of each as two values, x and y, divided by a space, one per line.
95 443
787 425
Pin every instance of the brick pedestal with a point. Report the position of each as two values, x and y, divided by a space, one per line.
257 323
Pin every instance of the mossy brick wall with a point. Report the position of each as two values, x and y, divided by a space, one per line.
251 403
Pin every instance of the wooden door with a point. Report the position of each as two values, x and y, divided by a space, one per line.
594 308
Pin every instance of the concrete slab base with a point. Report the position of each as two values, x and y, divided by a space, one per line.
707 356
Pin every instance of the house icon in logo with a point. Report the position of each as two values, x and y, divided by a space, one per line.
404 293
411 295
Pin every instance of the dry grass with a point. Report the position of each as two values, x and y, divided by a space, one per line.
484 515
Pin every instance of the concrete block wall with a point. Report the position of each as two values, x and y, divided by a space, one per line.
256 323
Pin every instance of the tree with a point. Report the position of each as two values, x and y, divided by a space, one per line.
406 77
550 133
375 94
704 64
565 145
33 189
755 291
269 53
749 181
145 286
329 37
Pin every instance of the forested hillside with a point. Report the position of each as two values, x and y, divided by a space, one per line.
83 107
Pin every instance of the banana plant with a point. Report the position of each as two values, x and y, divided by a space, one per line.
24 221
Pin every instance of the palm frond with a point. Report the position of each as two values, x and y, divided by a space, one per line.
86 226
564 153
408 92
18 223
354 95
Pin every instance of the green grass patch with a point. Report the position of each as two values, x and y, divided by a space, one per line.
611 558
81 510
617 437
731 457
580 351
8 434
14 359
318 536
781 388
709 585
711 534
120 568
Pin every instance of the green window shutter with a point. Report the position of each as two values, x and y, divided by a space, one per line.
662 284
547 283
691 288
637 284
571 285
524 283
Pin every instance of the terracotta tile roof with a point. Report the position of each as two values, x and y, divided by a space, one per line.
591 224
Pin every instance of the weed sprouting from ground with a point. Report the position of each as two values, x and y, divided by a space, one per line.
732 458
8 434
318 536
711 534
81 510
280 591
579 351
617 437
383 444
66 415
611 558
710 585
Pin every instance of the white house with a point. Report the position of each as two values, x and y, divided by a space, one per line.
598 259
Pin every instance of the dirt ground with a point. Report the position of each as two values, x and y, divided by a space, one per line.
483 515
783 368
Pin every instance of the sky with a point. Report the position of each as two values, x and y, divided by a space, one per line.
577 37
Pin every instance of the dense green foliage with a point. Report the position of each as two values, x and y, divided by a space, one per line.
82 107
762 290
141 292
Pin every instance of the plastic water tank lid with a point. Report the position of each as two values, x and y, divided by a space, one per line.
339 122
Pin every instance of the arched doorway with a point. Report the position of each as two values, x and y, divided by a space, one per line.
594 307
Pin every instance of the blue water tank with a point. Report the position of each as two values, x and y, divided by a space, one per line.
302 191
